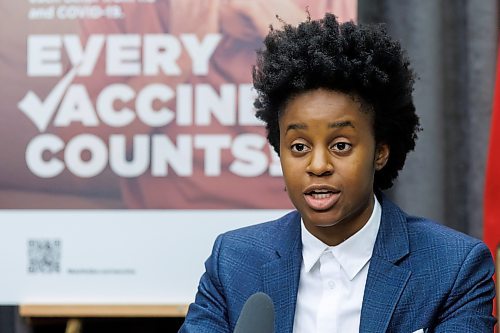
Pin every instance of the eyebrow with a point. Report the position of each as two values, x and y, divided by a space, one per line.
338 124
295 127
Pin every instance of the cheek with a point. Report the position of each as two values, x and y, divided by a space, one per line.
289 163
358 171
288 167
291 176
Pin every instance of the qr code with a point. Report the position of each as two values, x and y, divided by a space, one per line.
44 255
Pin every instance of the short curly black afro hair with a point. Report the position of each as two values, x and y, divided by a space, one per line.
360 60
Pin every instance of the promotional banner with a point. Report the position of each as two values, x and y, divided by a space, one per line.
129 142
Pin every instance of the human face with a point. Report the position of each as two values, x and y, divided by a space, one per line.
329 157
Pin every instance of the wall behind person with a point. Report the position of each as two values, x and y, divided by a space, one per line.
452 45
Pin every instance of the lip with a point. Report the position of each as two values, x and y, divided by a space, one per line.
324 201
319 187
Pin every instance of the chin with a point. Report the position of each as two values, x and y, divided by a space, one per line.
327 225
325 222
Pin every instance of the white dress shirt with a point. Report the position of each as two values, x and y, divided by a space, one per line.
332 280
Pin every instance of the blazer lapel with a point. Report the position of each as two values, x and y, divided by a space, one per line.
281 276
386 280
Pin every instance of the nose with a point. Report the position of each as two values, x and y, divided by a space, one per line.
320 163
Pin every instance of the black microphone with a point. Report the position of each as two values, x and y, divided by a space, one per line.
257 315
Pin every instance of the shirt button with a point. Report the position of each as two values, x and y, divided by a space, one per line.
331 284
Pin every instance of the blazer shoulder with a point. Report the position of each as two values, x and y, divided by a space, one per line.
265 232
263 240
460 269
443 246
428 231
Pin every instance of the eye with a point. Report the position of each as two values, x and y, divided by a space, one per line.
299 148
341 147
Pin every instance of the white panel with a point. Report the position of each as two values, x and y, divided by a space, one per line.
114 256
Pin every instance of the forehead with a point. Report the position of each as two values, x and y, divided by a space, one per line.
325 106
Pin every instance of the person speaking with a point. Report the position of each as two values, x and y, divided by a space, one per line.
337 103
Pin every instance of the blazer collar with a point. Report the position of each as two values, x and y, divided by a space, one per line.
392 243
386 280
281 276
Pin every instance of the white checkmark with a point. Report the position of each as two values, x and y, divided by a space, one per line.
41 112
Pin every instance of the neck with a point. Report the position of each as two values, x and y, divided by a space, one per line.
339 232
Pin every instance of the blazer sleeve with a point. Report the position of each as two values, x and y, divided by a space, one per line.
470 303
209 311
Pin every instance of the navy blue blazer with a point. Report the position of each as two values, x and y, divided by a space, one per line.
422 275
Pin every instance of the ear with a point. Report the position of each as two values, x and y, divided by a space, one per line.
381 156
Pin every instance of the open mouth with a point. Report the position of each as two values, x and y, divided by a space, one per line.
321 198
320 194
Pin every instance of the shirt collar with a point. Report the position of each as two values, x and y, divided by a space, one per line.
352 254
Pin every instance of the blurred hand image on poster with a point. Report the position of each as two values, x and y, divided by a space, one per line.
139 104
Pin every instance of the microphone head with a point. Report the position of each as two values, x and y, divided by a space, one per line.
257 315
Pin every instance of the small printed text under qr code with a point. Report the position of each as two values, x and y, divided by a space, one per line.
44 255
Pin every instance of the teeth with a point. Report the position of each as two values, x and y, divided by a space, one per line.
321 191
321 195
